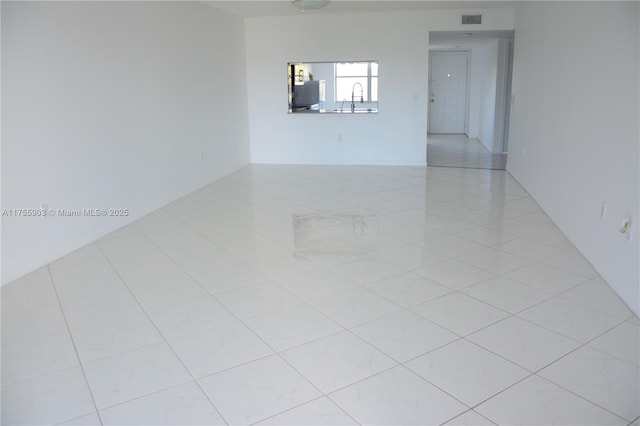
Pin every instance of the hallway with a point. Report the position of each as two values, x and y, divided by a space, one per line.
461 151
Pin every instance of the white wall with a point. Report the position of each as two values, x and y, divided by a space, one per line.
483 62
576 117
476 67
399 41
500 144
487 117
110 105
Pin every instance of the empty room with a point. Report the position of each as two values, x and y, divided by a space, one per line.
320 212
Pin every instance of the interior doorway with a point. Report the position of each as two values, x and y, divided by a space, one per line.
469 96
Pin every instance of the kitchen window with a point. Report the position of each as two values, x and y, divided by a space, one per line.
357 80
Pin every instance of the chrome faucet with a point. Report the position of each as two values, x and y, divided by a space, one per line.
353 89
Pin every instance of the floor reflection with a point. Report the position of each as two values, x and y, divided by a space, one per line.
340 236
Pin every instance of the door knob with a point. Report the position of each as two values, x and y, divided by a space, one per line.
433 100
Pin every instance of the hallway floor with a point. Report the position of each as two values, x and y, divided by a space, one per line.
325 295
461 151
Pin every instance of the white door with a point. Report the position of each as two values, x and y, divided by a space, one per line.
448 92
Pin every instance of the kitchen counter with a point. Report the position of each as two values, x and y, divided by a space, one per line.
336 111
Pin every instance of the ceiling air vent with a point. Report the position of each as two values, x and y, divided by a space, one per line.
471 19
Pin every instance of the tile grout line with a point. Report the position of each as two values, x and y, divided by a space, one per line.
276 353
552 296
281 356
536 371
303 301
164 338
75 348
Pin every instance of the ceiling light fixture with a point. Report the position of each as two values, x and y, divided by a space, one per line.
303 5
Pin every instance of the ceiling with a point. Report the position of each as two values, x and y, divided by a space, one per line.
437 40
253 8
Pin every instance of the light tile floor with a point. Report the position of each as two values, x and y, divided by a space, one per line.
461 151
324 295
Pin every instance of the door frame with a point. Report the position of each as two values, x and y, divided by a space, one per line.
466 89
508 101
503 96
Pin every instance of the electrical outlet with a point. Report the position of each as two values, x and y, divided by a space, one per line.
340 137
